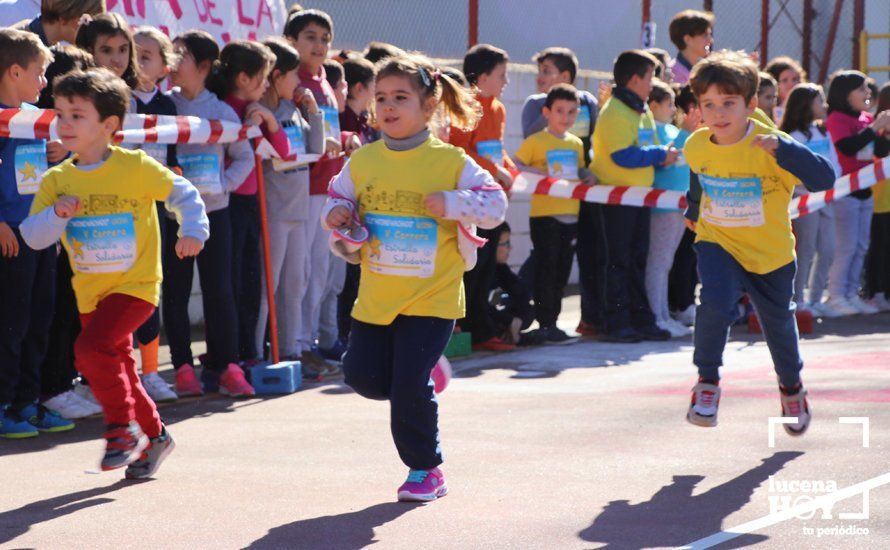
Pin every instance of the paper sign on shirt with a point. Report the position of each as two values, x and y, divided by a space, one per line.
102 244
562 164
404 246
581 128
646 137
732 202
492 150
294 134
30 164
331 122
202 170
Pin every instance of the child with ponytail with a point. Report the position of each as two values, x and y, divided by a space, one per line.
216 170
287 198
241 80
419 200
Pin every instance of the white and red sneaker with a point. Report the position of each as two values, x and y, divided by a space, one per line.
703 408
423 486
796 406
441 374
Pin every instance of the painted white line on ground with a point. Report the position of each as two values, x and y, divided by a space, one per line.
788 513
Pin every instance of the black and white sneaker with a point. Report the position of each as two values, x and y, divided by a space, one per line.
158 449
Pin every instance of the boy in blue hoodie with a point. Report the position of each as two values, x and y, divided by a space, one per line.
27 277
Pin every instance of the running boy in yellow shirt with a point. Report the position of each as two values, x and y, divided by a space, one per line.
101 204
743 174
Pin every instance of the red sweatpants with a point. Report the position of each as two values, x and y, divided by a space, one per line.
104 354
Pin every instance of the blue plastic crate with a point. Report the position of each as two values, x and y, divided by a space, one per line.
279 378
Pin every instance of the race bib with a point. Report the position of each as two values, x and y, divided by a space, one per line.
30 164
331 122
492 150
403 246
102 244
646 136
732 202
820 147
867 153
297 145
202 170
157 151
562 164
581 128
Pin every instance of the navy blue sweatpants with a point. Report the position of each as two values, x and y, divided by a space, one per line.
27 290
724 281
393 362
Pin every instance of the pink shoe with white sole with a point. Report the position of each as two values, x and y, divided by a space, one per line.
423 486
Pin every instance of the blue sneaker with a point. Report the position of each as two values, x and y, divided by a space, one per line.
46 420
210 380
14 426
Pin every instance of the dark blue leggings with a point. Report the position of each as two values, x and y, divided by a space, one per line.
393 362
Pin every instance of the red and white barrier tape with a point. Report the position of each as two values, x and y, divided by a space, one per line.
528 182
137 129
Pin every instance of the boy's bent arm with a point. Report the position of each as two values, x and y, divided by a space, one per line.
640 157
814 171
693 198
478 200
43 229
186 204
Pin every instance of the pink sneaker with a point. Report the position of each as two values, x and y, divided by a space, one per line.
423 486
233 383
187 383
441 374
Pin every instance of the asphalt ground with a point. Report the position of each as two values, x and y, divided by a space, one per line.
582 445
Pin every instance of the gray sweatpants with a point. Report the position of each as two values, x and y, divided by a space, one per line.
815 235
852 224
328 330
320 256
289 254
665 232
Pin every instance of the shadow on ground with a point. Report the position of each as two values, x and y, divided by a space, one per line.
674 516
342 531
15 523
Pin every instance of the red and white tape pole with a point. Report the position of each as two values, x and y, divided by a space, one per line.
536 184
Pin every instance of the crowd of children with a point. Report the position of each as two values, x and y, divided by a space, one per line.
395 238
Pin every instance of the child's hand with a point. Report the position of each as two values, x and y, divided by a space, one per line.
689 224
672 155
505 178
304 98
339 216
67 206
881 121
352 144
9 244
435 204
692 120
767 143
256 114
55 153
188 247
332 146
604 92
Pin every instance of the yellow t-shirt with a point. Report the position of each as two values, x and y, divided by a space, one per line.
560 158
619 127
744 200
411 264
113 244
881 193
760 116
